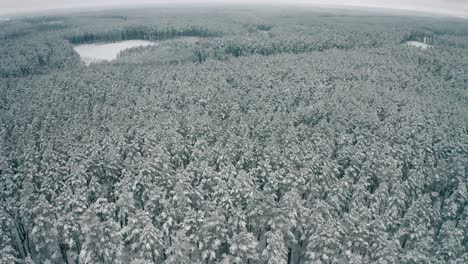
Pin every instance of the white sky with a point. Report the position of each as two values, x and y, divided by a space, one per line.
452 7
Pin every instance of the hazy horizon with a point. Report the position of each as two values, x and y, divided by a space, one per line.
449 7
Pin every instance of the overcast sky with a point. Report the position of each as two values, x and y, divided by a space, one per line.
453 7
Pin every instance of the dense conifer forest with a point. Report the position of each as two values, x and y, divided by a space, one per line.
278 136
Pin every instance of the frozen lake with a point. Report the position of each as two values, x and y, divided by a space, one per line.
94 53
418 44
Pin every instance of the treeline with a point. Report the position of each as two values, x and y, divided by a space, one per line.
426 37
140 32
258 27
223 48
31 26
280 42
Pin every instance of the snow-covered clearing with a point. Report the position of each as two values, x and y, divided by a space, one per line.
418 44
94 53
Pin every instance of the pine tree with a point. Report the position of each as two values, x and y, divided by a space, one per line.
179 250
71 205
143 238
44 233
213 235
7 252
275 251
103 242
242 249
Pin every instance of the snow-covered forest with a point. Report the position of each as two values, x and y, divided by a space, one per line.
280 136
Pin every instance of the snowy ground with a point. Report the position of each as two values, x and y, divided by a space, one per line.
93 53
418 44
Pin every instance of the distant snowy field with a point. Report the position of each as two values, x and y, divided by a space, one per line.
418 44
93 53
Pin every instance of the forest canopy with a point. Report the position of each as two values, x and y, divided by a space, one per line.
278 136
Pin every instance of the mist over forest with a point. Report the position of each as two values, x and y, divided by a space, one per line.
233 135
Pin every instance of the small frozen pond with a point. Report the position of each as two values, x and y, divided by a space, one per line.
93 53
418 44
